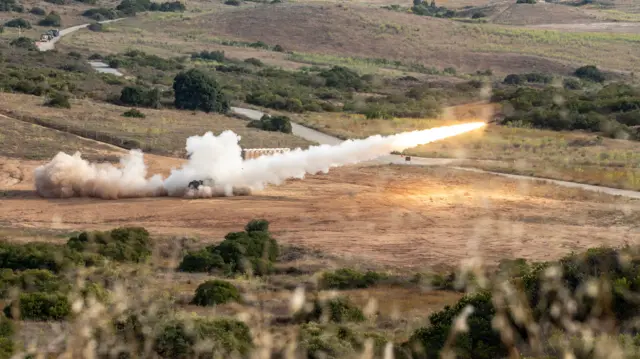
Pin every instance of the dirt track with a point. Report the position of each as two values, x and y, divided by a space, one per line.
398 216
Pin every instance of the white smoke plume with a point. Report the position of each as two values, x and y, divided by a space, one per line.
218 161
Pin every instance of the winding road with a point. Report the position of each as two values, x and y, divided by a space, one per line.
322 138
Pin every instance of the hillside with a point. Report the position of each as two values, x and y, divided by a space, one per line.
541 13
359 31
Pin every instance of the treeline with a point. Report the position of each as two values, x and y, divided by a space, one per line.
131 7
581 103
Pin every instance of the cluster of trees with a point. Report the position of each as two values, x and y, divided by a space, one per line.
613 109
250 251
272 123
421 7
10 5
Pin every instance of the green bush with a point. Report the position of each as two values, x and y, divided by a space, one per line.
133 113
58 100
342 77
173 6
274 124
257 225
215 292
481 341
37 11
328 341
591 73
209 55
100 14
24 43
40 306
37 256
53 19
337 310
219 336
19 22
232 2
201 261
30 280
139 96
10 5
248 251
346 278
197 90
526 1
130 244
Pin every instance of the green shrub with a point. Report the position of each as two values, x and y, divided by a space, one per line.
95 57
480 341
37 256
275 124
41 306
257 225
130 244
328 341
571 84
37 11
58 100
219 336
10 5
24 43
173 6
215 292
337 310
100 14
30 280
139 96
134 113
19 22
209 55
591 73
53 19
201 261
197 90
526 1
247 251
56 2
232 2
342 77
346 278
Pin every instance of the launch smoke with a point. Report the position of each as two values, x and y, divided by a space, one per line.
217 160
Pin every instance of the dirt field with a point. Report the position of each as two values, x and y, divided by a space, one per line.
390 216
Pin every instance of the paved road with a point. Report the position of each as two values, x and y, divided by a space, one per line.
322 138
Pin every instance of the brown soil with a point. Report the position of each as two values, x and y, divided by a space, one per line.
390 216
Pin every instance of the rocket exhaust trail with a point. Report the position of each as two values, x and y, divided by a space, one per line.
218 158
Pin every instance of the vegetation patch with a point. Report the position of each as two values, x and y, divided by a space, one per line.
272 123
126 244
215 292
251 251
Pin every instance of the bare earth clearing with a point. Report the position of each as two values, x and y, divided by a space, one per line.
397 216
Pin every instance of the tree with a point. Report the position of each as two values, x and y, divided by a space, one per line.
590 72
19 22
197 90
215 292
53 19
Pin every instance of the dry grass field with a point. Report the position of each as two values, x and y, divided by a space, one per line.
161 132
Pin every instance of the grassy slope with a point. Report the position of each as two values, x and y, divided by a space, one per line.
162 131
367 32
28 141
